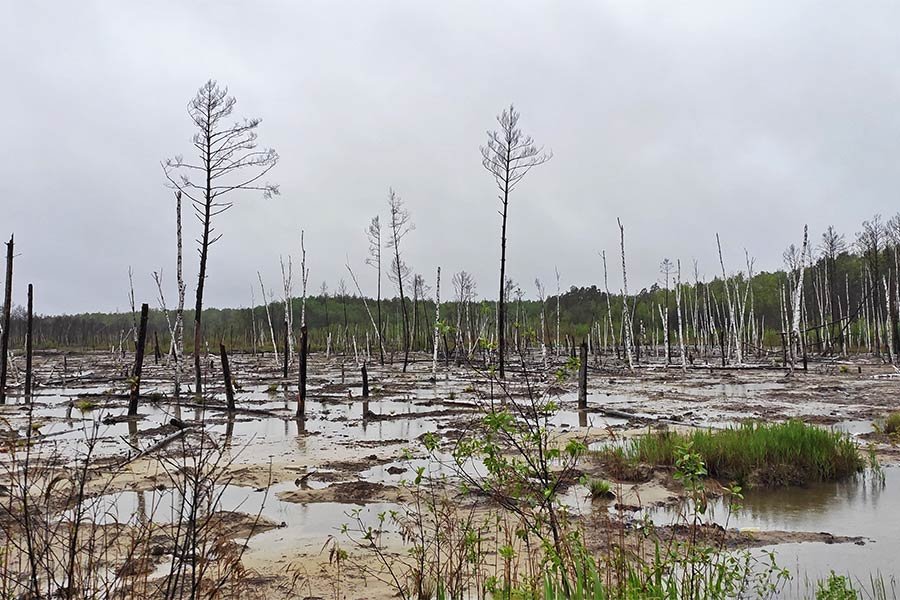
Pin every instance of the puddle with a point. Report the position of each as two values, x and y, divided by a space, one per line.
860 507
304 524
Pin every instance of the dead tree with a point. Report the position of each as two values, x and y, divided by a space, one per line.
229 161
226 374
543 301
680 323
611 329
138 362
666 269
304 277
626 314
7 311
464 286
796 299
266 302
288 286
558 309
893 232
731 309
342 294
400 225
304 351
508 156
178 333
361 295
870 244
373 233
437 324
134 324
174 352
29 342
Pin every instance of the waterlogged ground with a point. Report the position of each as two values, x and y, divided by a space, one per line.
348 461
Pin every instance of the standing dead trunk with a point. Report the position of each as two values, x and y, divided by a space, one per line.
226 374
138 362
268 317
29 344
626 314
437 324
582 377
365 381
400 226
7 311
287 351
681 349
304 351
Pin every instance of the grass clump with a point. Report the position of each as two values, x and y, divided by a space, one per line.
892 424
789 453
85 405
600 489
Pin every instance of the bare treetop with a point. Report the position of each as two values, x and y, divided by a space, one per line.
872 237
510 153
228 156
832 243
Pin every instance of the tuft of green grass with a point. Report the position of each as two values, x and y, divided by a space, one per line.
892 424
772 454
85 404
600 489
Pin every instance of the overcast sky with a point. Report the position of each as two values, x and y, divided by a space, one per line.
682 118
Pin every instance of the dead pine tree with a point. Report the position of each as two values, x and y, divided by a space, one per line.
228 161
400 225
7 311
373 233
508 156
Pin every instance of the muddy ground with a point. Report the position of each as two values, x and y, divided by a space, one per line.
297 482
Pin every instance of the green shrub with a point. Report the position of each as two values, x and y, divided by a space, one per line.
836 587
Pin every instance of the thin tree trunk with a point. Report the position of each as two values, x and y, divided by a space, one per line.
7 311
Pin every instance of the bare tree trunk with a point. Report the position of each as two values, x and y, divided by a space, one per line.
304 351
582 376
268 317
29 343
7 311
226 374
437 324
558 306
626 314
680 326
138 362
178 330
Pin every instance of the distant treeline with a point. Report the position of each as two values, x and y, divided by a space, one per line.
838 304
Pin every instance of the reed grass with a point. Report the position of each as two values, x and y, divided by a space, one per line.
773 454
